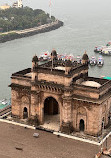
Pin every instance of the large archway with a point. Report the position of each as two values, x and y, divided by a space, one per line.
51 106
51 114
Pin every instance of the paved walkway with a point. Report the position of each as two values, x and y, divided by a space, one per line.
58 133
52 122
48 145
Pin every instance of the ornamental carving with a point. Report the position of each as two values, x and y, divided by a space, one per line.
81 111
25 99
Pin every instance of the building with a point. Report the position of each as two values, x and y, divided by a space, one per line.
82 102
4 7
18 4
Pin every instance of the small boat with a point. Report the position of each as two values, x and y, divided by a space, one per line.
106 77
106 51
78 59
98 49
4 102
109 43
100 61
93 61
45 56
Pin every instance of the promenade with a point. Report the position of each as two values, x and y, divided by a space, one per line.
46 146
11 35
45 26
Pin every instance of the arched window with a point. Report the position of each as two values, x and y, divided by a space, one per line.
25 113
81 125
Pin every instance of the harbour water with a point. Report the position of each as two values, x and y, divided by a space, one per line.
86 24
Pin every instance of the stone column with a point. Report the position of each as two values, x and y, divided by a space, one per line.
35 105
66 125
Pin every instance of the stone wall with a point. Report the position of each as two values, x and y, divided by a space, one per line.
16 35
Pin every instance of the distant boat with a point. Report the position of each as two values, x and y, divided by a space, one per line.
5 102
78 59
93 61
106 77
45 56
109 43
98 49
106 51
100 61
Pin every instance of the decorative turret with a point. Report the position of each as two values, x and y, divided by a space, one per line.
34 67
54 54
85 58
34 62
68 66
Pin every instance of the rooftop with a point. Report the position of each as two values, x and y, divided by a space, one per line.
91 84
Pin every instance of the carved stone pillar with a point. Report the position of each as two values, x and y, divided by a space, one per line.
35 100
66 125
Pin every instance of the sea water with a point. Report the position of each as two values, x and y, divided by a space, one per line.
86 24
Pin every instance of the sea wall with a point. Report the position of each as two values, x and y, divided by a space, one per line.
30 32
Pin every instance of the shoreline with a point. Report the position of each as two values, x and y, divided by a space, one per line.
4 37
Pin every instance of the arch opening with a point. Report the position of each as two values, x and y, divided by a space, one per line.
51 114
25 113
51 106
81 125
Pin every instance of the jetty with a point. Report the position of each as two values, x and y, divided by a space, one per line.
8 36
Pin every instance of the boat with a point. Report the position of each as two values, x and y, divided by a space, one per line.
100 61
106 77
45 56
93 61
98 49
5 102
109 43
78 59
106 51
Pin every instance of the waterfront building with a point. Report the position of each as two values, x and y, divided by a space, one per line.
4 7
18 4
62 88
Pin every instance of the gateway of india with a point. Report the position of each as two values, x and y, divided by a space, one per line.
82 103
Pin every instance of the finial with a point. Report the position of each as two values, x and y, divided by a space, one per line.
85 52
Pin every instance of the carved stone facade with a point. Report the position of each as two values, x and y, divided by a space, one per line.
83 102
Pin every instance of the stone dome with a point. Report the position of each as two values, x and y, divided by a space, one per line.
53 53
91 84
85 56
35 59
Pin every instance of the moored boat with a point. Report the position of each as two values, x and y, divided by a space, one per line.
109 43
98 49
45 56
93 61
100 61
106 51
78 59
106 77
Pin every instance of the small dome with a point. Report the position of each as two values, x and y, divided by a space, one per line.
85 56
68 63
91 84
53 53
35 59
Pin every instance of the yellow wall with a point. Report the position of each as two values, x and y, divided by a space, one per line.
4 7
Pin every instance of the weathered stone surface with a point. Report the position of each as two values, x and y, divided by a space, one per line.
80 107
